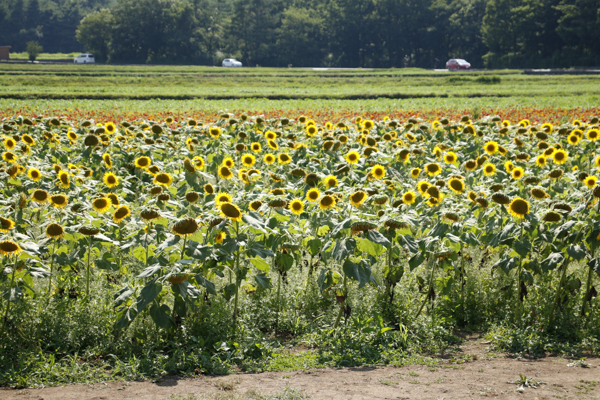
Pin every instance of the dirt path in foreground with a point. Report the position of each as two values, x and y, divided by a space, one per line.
486 376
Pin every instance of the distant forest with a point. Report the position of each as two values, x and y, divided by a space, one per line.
302 33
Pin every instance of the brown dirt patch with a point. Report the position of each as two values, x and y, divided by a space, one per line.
485 375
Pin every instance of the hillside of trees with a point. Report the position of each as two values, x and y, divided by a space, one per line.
300 33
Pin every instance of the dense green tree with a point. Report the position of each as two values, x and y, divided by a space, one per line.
94 32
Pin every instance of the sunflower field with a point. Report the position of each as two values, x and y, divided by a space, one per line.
203 242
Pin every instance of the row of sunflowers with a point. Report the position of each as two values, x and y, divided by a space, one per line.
178 210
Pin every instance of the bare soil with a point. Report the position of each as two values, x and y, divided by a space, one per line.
485 374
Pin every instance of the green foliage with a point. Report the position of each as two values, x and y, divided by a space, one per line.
33 50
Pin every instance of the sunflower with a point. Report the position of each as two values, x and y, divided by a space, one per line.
433 169
538 193
517 173
270 135
269 159
110 128
284 158
222 198
489 169
40 196
198 163
518 207
296 206
470 165
327 202
63 180
456 185
220 237
353 157
358 197
9 157
593 134
256 147
8 248
55 231
114 199
255 205
540 160
107 160
9 143
185 227
215 132
313 195
228 162
590 181
409 197
422 187
414 173
560 157
311 130
59 200
110 180
163 179
573 139
149 214
225 172
450 157
330 181
231 211
142 162
34 174
378 171
248 160
6 225
491 147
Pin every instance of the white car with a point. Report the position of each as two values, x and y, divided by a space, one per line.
231 62
85 59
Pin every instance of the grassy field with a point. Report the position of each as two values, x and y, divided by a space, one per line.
184 83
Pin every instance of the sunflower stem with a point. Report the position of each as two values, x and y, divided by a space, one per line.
12 282
237 267
428 291
278 302
558 292
587 290
342 306
183 247
51 270
87 278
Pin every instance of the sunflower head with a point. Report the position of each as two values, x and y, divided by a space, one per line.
470 165
59 200
501 198
311 179
491 147
590 181
284 158
433 169
517 173
296 206
353 157
40 196
149 214
6 224
55 231
64 180
552 216
422 187
518 207
101 204
225 172
330 181
357 198
121 213
414 173
327 202
163 179
185 227
255 205
89 230
110 180
230 211
192 197
456 185
142 162
378 171
489 169
9 248
560 156
34 174
409 197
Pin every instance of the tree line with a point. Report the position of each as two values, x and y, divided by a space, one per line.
302 33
